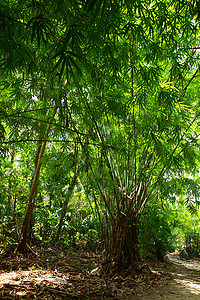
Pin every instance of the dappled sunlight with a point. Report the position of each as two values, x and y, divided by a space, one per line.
192 286
34 276
52 274
33 282
55 274
191 264
186 280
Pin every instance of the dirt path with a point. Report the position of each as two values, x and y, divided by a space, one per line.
182 280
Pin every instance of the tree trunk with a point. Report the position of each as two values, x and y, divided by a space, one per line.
123 248
68 196
22 243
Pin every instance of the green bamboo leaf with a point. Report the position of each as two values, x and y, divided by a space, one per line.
67 39
60 53
2 129
64 64
59 62
33 31
38 34
75 64
74 54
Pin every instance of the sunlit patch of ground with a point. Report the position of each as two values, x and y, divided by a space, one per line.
36 276
189 278
30 283
192 286
52 274
184 282
55 274
191 264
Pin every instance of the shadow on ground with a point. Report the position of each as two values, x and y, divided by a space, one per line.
183 281
56 274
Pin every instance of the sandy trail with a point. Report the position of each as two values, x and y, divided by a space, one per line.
183 281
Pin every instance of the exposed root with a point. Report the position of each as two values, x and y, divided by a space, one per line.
137 270
25 250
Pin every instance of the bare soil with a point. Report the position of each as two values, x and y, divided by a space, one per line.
52 273
180 280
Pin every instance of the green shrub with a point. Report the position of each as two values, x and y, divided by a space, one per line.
155 233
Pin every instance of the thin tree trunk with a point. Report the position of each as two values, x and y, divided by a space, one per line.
22 243
68 196
23 238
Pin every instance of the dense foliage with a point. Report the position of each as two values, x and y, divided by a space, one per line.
99 116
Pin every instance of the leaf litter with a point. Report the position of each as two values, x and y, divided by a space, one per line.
56 274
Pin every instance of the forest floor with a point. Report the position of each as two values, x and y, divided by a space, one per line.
56 274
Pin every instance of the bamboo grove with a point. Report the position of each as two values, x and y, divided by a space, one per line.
104 93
